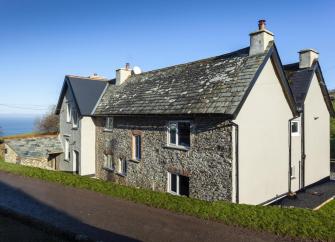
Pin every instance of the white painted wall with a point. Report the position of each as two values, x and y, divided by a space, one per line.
87 155
317 118
263 140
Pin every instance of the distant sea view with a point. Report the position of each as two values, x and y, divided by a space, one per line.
16 125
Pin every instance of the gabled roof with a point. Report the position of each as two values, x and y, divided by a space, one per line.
86 92
217 85
35 147
300 80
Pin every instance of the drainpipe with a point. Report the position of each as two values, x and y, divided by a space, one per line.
236 162
290 154
303 154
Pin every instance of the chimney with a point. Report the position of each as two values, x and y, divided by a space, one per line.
260 39
307 57
122 74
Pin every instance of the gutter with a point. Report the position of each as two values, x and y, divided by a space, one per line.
303 154
236 162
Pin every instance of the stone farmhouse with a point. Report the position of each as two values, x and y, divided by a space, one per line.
239 127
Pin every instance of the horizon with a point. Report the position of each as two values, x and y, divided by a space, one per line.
44 41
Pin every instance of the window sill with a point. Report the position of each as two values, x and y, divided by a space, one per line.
74 128
135 161
120 174
183 148
107 168
67 160
108 130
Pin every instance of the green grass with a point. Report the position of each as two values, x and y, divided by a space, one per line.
295 222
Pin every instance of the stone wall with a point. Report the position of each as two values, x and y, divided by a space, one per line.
10 156
207 163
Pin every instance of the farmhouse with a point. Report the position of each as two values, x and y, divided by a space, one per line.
42 152
239 127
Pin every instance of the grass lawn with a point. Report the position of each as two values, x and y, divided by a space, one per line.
283 221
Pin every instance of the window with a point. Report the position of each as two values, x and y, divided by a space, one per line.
75 119
137 146
68 112
109 123
179 133
6 151
178 184
292 171
122 167
295 128
108 162
67 150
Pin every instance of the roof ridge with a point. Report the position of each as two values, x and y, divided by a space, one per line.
195 61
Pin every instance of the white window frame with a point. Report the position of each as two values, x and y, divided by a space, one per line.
177 135
122 166
298 125
67 150
109 120
108 164
137 148
68 112
177 184
75 119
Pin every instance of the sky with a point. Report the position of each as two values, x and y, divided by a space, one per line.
42 41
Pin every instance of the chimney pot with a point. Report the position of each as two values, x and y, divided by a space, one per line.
127 66
261 24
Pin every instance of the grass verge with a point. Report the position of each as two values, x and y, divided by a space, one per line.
295 222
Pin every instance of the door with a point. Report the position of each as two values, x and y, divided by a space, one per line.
76 162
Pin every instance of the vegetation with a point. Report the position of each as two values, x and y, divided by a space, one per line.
295 222
49 122
28 135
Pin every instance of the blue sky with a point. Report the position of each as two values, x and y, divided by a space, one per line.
41 41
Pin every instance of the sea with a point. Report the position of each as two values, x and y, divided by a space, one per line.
16 125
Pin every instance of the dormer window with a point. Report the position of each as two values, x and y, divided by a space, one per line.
179 134
109 123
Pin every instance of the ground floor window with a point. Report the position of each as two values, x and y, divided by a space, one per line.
108 162
178 184
122 167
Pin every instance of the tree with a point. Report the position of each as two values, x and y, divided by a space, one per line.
49 123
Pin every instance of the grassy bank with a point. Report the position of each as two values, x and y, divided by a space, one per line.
301 223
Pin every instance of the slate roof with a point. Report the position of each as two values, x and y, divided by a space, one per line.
36 147
215 85
86 92
300 80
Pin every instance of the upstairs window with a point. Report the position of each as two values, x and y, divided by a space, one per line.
75 119
137 147
179 133
68 112
109 123
295 128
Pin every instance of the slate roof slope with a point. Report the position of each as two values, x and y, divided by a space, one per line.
86 92
36 147
215 85
300 80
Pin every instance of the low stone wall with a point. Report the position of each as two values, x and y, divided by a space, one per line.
332 170
207 163
37 162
